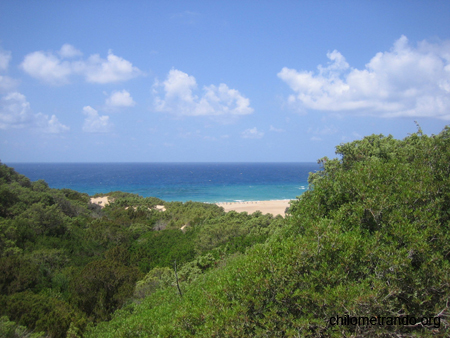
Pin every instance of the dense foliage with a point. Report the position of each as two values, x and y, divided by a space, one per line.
369 239
67 264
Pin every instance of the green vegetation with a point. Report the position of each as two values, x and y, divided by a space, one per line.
370 238
67 264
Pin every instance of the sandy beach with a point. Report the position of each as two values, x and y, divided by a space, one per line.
277 207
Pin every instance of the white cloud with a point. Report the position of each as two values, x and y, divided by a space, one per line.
277 130
404 81
252 133
15 112
53 69
94 123
224 101
5 57
114 69
179 98
48 67
120 99
69 51
50 125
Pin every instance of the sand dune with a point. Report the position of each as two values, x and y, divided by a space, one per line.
101 201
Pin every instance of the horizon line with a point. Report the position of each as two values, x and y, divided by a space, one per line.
160 162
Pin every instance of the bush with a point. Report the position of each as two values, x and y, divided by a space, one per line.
102 287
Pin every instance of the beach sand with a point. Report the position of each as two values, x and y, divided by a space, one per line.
277 207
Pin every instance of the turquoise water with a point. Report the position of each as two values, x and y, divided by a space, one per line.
203 182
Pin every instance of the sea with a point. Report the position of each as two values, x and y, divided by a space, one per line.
202 182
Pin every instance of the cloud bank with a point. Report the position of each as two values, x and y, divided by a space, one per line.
56 69
178 98
405 81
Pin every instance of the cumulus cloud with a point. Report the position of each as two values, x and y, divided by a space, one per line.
15 112
120 99
94 123
69 51
252 133
50 125
113 69
179 98
48 67
55 69
405 81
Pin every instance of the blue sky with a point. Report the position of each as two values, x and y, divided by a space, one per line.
217 81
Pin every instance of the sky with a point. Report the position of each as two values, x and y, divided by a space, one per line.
217 81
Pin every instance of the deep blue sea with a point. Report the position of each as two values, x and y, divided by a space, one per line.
203 182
